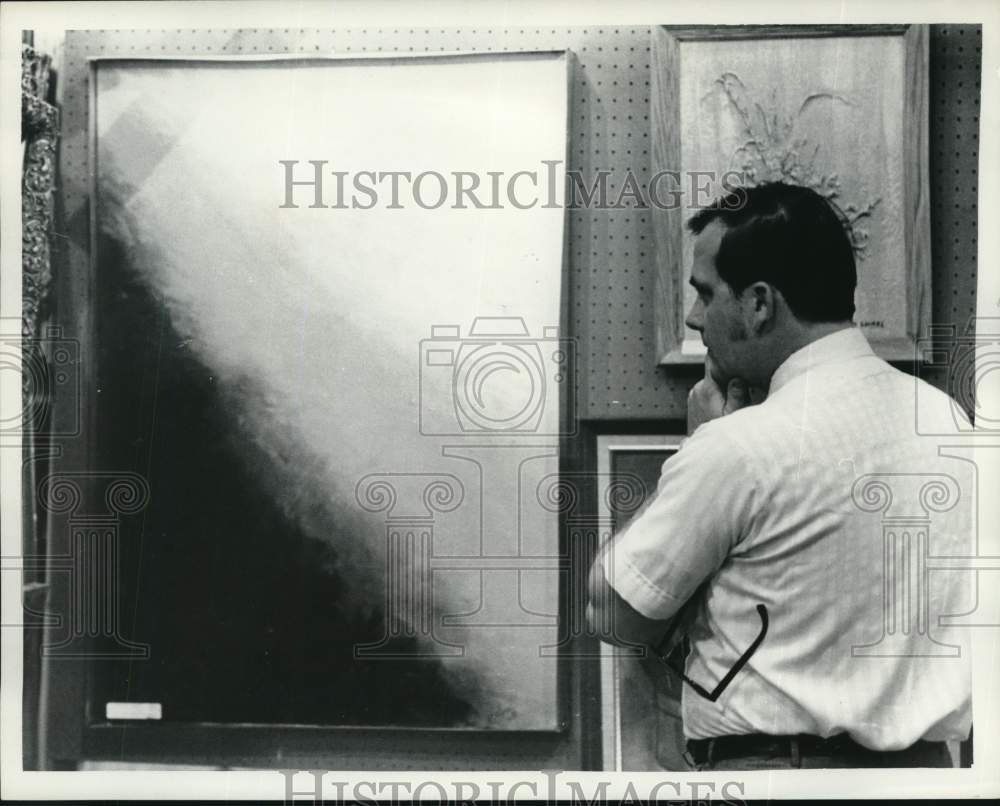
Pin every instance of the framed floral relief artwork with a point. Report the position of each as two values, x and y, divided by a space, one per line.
841 109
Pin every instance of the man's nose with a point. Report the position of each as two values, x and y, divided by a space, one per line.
694 317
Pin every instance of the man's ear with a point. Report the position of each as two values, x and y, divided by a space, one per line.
759 301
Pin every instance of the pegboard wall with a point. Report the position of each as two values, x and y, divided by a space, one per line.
611 251
954 78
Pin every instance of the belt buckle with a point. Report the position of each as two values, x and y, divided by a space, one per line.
697 751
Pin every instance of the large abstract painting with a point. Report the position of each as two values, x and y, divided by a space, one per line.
347 403
841 110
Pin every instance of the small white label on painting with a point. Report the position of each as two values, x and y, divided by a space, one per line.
133 710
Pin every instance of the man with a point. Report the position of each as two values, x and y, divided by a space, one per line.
764 528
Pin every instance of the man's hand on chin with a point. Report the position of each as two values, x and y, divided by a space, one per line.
714 397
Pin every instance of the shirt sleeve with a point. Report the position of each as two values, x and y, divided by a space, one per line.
703 507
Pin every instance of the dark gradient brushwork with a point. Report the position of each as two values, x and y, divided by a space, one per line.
248 618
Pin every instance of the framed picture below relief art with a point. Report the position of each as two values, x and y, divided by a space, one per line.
641 726
841 109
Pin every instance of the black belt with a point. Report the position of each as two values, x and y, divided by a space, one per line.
792 747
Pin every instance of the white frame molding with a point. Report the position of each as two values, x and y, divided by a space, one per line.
607 446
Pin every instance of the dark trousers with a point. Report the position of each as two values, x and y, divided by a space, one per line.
762 752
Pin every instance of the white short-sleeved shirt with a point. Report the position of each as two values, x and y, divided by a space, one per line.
779 504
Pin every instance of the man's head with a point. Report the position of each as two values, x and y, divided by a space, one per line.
774 269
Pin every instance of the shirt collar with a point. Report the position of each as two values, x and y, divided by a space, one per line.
841 345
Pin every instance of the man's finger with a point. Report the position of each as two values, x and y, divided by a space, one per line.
737 396
712 372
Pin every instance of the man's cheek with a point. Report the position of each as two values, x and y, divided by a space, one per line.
737 331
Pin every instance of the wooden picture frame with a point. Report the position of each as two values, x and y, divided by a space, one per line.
87 729
894 290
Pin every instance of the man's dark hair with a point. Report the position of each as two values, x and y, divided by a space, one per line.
793 239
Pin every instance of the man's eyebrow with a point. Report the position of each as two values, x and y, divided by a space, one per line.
698 286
